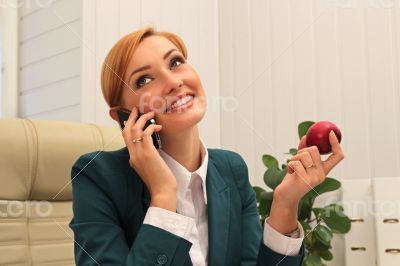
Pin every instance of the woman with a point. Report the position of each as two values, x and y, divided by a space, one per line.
183 204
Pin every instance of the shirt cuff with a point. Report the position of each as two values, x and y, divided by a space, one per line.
172 222
280 243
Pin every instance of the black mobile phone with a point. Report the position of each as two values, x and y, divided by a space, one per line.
123 116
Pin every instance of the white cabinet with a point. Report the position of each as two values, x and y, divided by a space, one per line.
360 248
387 219
373 205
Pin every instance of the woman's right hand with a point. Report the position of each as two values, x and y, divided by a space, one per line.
147 162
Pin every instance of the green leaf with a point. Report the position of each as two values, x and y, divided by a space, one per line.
304 209
334 217
312 260
262 207
308 239
317 211
329 184
292 151
273 177
270 161
323 234
336 206
266 202
318 245
325 254
303 128
305 225
258 191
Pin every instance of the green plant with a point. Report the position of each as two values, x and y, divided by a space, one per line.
319 224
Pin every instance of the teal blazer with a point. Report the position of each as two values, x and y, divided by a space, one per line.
110 202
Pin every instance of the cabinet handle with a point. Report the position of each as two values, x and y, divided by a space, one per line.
356 220
392 250
390 221
358 248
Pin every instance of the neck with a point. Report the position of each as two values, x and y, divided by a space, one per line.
184 147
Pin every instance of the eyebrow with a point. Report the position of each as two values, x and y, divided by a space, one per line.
147 66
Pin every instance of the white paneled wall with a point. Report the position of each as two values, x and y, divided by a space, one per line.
105 21
50 59
289 61
1 74
286 62
9 61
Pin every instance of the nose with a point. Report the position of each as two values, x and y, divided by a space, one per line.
172 82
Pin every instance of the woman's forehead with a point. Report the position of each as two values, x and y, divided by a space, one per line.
153 46
151 50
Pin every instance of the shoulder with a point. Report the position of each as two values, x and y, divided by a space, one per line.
107 169
99 161
226 159
221 156
104 183
238 175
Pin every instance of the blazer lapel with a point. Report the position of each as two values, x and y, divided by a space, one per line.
218 205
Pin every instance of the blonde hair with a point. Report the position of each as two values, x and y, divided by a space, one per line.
117 60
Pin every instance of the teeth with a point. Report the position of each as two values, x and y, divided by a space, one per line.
181 102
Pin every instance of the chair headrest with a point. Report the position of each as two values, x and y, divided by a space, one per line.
36 156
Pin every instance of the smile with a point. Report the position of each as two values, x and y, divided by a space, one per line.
181 104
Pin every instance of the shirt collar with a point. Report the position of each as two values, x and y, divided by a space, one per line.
183 176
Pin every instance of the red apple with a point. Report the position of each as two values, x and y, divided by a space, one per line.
318 135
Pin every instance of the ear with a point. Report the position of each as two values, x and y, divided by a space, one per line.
113 113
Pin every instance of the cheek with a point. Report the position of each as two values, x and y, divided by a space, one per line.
149 101
192 79
128 99
156 104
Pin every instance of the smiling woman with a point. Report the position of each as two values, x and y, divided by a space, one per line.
184 204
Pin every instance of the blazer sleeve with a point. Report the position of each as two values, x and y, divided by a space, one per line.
254 251
99 238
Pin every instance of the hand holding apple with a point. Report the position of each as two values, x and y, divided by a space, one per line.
305 171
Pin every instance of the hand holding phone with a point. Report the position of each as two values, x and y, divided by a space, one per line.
123 116
148 163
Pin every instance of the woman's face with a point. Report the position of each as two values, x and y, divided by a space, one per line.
158 75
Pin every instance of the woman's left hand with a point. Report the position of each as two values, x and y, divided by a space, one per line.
301 178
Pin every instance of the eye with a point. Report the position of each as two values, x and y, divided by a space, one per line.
176 61
140 82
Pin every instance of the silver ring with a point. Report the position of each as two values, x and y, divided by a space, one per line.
310 166
137 140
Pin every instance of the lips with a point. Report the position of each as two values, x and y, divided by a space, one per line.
180 100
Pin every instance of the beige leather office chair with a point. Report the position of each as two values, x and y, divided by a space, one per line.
36 157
